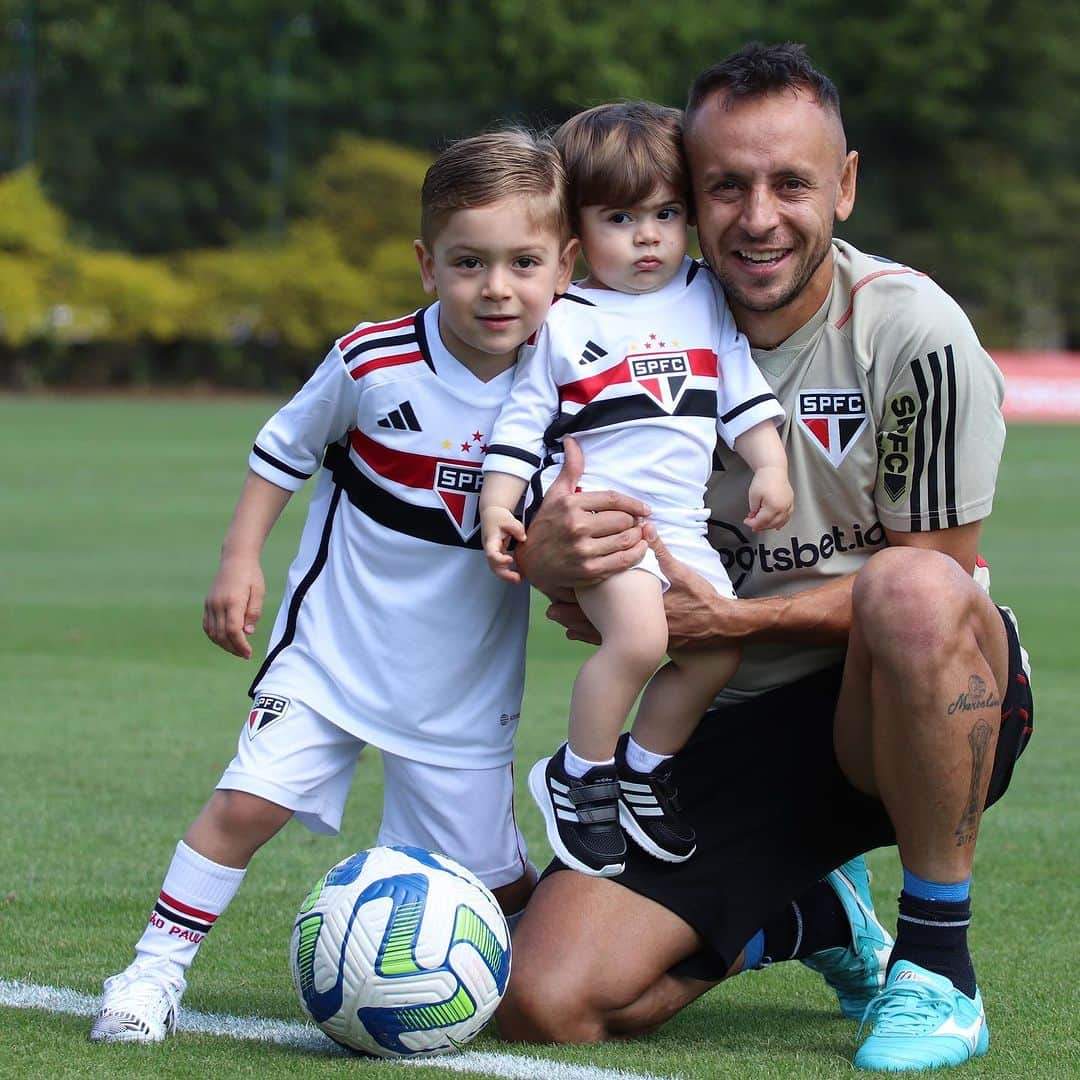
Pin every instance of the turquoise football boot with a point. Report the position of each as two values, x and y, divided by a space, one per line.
856 972
921 1021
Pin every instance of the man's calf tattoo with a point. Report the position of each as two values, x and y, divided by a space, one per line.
979 741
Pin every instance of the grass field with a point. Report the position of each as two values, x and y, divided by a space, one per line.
119 715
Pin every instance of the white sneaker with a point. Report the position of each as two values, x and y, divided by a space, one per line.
140 1004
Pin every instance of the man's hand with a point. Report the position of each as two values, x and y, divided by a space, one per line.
697 615
580 538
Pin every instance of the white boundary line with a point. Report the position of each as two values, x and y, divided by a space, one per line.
307 1037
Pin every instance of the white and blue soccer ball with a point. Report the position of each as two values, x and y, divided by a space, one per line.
399 951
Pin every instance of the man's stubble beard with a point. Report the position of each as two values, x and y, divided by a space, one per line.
736 295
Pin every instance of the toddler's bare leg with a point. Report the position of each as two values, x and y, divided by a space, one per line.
628 612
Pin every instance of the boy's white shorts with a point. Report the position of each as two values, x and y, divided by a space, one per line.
300 760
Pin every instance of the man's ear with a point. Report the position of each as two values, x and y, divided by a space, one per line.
566 264
427 266
845 195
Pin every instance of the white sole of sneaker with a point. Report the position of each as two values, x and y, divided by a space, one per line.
539 792
640 837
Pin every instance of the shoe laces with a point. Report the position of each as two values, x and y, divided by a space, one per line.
907 1010
142 987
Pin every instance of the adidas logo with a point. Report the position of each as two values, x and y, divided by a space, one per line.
403 418
591 353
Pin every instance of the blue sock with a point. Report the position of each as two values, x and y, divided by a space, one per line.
922 889
753 951
931 929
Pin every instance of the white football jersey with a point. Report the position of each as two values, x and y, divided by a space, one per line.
644 382
893 420
392 626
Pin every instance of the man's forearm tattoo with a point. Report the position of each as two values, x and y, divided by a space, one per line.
979 741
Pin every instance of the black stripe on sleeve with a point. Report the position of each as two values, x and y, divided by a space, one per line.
919 452
933 499
951 517
753 403
514 452
278 464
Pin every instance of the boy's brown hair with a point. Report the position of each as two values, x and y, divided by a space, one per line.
484 169
619 154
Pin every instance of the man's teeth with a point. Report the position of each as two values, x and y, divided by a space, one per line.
761 256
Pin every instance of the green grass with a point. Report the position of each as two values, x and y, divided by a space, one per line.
119 716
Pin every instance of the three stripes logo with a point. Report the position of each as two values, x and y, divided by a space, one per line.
591 353
402 418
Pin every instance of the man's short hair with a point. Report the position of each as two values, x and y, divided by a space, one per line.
619 154
486 169
757 70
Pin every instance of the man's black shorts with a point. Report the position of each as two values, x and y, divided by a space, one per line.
773 813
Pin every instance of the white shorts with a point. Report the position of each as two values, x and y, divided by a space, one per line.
294 757
690 547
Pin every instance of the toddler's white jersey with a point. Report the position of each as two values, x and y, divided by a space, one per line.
644 382
392 626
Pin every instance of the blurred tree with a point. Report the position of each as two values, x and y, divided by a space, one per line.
164 126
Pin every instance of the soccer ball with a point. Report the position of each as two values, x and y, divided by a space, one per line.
399 951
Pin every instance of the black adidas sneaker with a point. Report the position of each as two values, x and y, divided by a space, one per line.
649 810
582 815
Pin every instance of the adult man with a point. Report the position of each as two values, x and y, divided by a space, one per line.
883 698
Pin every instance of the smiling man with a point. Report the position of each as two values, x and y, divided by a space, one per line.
883 698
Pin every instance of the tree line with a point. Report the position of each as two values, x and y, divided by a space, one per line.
156 128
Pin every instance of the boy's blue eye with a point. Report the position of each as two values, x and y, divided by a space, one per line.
668 213
620 217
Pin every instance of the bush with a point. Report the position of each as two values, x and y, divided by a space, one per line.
219 313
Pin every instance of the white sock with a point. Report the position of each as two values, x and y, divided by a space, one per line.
195 892
641 760
577 767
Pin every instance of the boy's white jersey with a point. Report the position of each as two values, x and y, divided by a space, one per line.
643 382
392 626
893 421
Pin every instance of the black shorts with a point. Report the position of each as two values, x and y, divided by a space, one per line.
773 813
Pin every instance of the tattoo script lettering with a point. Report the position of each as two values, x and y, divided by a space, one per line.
977 696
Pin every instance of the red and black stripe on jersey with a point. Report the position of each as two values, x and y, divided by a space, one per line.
430 523
600 400
933 469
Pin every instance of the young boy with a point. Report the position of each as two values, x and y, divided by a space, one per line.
641 363
391 631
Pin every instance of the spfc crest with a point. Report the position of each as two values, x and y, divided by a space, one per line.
661 375
266 709
458 486
834 419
